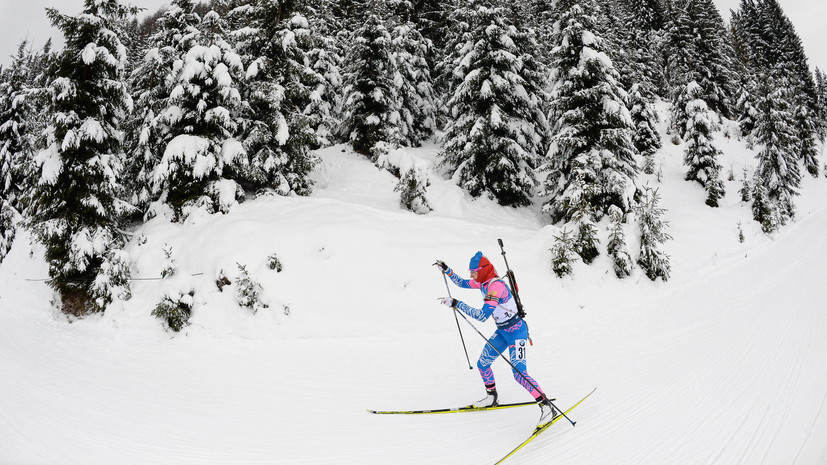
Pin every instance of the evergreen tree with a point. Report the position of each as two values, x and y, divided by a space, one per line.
412 188
698 51
76 205
652 260
414 85
324 53
806 124
585 239
371 120
635 46
701 156
497 131
277 132
152 82
563 254
16 111
431 17
644 118
777 177
772 46
9 217
821 104
202 156
592 128
621 260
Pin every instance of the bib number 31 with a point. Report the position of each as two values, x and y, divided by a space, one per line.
520 349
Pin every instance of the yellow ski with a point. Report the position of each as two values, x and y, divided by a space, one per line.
538 430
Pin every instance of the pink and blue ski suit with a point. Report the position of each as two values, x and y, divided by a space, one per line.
512 332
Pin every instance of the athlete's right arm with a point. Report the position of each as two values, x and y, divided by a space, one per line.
457 279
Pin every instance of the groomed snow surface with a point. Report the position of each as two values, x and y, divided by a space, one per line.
726 363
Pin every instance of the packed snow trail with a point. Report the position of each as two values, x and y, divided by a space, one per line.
724 364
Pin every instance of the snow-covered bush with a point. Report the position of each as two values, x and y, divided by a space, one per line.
414 180
563 253
274 263
112 283
621 260
168 264
412 191
652 260
585 239
8 228
248 290
175 309
746 189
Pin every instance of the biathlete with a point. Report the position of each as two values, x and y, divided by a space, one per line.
512 332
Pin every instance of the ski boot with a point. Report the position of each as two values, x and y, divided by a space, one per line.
490 399
547 412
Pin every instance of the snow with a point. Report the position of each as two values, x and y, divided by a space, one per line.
726 363
89 53
192 150
50 165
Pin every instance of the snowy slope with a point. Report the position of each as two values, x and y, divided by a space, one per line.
724 364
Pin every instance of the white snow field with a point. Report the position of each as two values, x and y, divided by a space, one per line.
726 363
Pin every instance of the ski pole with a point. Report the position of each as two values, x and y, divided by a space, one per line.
456 311
461 338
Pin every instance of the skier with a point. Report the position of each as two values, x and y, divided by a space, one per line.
512 331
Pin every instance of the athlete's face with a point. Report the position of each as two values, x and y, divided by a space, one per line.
474 275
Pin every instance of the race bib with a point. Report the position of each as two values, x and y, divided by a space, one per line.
520 347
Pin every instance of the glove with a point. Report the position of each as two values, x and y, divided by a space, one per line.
448 302
442 266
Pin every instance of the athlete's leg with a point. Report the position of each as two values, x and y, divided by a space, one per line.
487 357
517 337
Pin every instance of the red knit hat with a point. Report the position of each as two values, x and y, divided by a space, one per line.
485 270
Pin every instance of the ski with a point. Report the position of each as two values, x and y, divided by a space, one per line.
539 430
467 408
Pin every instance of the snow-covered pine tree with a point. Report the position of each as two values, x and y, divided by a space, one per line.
324 52
76 205
371 118
412 189
746 189
276 132
806 124
701 156
821 104
496 130
698 51
773 46
621 260
585 236
646 137
201 159
248 290
9 217
635 54
592 128
16 111
563 253
415 87
652 260
152 81
430 17
777 177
